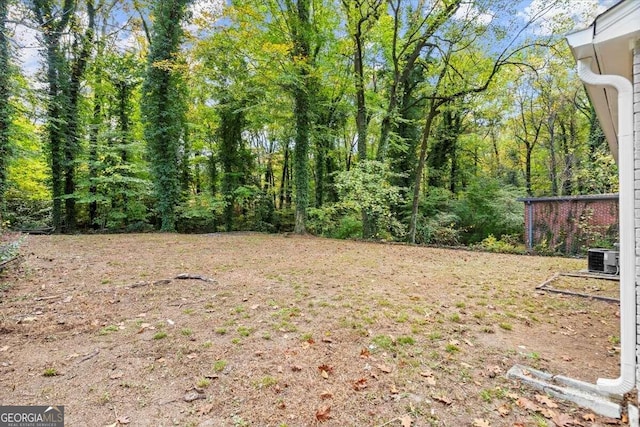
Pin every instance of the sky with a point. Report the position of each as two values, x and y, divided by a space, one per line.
582 13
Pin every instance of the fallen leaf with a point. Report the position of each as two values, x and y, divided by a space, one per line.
589 417
364 353
443 399
324 374
393 389
406 420
563 420
360 384
479 422
326 368
326 395
384 368
543 399
548 413
504 410
206 409
527 404
123 419
323 414
116 375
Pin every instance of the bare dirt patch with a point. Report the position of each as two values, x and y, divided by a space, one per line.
267 330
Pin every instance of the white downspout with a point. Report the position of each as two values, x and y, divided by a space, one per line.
626 381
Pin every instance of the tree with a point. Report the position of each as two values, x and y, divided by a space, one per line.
5 107
65 65
163 107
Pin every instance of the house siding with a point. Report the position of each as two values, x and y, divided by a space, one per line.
570 224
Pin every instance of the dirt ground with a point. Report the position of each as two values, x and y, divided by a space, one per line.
270 330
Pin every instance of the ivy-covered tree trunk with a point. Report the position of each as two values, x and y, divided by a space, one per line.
230 132
82 50
5 109
163 107
302 110
56 65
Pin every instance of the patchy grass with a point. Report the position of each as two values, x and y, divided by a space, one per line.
277 329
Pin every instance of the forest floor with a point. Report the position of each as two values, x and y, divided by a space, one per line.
251 329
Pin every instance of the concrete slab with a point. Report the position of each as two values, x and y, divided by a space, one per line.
581 393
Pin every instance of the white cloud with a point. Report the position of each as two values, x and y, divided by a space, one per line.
469 12
563 16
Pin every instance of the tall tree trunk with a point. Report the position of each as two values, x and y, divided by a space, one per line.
283 180
5 108
302 111
93 161
415 203
163 107
72 140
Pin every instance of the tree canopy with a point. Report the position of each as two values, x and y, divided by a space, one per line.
402 120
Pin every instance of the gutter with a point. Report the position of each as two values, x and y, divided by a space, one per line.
626 381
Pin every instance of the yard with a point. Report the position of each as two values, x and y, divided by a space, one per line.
270 330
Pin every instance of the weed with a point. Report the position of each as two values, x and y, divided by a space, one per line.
266 336
244 331
533 356
207 344
221 331
402 317
451 348
486 395
50 372
219 365
203 383
266 382
188 311
455 317
306 337
105 398
236 341
383 341
506 326
435 335
406 340
461 304
186 332
108 329
614 339
160 335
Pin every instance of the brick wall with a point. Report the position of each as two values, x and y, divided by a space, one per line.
570 224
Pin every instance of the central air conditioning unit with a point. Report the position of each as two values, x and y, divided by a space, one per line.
603 261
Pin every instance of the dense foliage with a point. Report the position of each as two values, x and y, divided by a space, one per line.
418 121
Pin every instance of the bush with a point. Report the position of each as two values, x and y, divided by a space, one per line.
365 189
198 214
27 214
506 244
486 208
